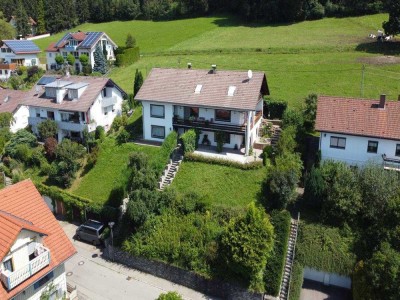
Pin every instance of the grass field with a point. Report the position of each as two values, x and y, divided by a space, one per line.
224 186
110 171
324 56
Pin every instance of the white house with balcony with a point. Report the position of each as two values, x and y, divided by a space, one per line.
33 246
21 52
357 131
78 43
211 101
11 101
75 103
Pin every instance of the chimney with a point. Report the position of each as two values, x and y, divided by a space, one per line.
382 101
189 65
214 69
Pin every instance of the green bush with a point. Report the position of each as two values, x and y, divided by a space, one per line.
23 153
47 129
20 137
223 162
100 133
296 281
166 150
189 141
122 136
220 137
170 296
276 108
119 121
287 140
274 269
128 57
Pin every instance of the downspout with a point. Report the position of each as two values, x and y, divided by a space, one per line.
248 134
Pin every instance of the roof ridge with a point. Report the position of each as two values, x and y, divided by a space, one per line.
12 217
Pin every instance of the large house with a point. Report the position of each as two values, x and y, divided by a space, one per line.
12 101
78 43
357 130
209 100
33 246
76 103
20 52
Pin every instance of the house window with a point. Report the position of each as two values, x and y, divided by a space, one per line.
33 62
157 132
227 138
397 153
1 72
8 265
6 72
76 54
64 54
194 112
372 147
223 115
338 142
50 54
43 280
157 111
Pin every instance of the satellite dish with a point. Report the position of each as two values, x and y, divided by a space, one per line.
250 74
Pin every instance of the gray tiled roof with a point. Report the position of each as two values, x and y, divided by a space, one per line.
178 86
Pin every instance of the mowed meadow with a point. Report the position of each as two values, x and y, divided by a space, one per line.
324 56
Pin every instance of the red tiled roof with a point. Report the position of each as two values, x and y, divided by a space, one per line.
358 117
79 36
178 86
52 47
14 100
23 201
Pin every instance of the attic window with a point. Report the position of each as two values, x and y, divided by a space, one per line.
198 89
231 90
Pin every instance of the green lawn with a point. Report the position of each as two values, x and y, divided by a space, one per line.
224 186
110 171
324 56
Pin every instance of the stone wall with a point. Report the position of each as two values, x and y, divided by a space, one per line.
179 276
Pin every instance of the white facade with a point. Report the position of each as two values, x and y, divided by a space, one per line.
5 74
242 126
71 124
27 60
20 119
27 256
355 151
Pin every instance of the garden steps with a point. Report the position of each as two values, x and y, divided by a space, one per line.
171 169
285 284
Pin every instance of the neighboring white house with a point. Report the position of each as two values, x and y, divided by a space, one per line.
12 101
209 100
78 43
33 246
6 70
357 130
21 52
76 103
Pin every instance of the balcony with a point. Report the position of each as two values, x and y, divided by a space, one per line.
70 47
12 279
391 163
108 101
208 126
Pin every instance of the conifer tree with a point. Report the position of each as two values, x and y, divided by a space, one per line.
41 26
82 11
23 27
100 62
138 82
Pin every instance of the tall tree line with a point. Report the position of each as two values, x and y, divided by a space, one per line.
55 16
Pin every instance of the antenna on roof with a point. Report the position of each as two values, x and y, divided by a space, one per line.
250 74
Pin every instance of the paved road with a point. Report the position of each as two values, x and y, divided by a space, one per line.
98 279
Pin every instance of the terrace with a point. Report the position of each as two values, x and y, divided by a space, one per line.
391 163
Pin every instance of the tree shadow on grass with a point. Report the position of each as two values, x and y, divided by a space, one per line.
135 129
385 48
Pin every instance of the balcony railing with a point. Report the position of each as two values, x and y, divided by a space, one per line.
65 125
12 279
208 126
391 163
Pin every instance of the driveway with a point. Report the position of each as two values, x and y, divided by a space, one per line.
313 290
96 278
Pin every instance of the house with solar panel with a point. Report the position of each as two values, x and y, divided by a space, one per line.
21 52
78 43
75 103
211 101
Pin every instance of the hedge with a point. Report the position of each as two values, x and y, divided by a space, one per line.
128 57
223 162
276 108
167 148
189 141
296 281
274 269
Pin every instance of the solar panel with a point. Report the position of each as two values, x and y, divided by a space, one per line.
18 46
65 37
91 39
46 80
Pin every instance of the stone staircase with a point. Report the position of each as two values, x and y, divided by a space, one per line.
171 169
285 284
277 130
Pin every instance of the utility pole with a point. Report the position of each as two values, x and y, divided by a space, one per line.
362 80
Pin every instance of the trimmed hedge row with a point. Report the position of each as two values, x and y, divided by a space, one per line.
276 108
127 57
167 147
274 269
223 162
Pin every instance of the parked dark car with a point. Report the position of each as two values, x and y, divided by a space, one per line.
90 231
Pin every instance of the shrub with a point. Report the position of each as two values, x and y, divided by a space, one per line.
274 269
276 108
100 133
84 59
20 137
310 111
32 71
128 57
246 245
22 152
287 140
138 160
21 70
220 137
268 153
70 59
137 84
16 82
130 41
50 145
170 296
122 136
293 117
87 70
119 121
47 129
189 141
314 188
166 150
296 281
144 178
59 59
5 120
37 157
